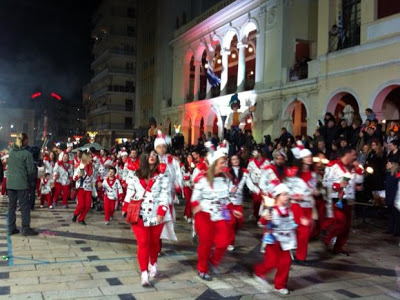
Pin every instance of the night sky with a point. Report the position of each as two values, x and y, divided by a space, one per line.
44 44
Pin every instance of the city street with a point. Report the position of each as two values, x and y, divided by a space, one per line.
68 260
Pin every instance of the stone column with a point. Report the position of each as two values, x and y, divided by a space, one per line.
196 89
241 75
224 73
208 89
260 50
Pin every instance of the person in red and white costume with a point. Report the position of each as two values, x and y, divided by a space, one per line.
212 210
342 178
239 178
84 180
273 174
131 165
175 180
150 184
46 185
62 179
3 164
256 164
104 162
49 162
76 163
187 169
302 183
112 193
277 251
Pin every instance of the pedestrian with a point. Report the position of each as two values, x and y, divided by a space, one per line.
211 210
83 177
46 185
20 171
283 239
63 172
391 184
3 167
151 186
113 192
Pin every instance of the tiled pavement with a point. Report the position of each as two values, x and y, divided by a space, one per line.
71 261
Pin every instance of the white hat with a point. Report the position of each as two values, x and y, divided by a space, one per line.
304 153
161 139
213 155
123 153
279 189
4 157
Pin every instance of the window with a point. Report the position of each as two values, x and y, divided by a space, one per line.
388 7
351 23
128 105
131 12
129 66
130 31
128 123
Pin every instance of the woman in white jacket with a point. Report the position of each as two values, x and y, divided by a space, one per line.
151 186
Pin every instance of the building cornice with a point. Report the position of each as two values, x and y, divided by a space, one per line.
220 19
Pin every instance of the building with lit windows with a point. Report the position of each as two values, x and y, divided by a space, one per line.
297 59
109 98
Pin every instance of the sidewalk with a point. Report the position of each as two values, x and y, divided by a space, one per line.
71 261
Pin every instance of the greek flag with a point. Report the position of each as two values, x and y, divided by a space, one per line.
212 78
341 30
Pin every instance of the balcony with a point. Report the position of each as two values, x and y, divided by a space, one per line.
108 54
113 71
110 109
113 89
108 41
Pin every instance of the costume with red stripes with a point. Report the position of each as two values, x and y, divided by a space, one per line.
84 186
187 183
211 222
277 254
255 167
154 194
112 192
335 172
62 173
45 191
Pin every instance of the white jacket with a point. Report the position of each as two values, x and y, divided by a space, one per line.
86 181
255 171
237 197
112 189
301 189
45 186
64 172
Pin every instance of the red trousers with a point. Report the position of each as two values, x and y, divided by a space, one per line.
84 203
340 227
109 208
235 224
64 189
45 198
275 257
319 224
4 187
302 232
148 240
187 192
257 200
210 233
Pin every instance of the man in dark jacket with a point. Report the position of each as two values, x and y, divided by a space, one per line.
20 170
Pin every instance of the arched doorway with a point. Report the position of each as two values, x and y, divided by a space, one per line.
215 126
217 69
190 94
298 113
232 66
387 103
203 77
342 99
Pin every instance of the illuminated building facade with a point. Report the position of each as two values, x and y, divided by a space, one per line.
109 98
289 58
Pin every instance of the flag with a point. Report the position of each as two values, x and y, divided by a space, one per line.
212 78
341 30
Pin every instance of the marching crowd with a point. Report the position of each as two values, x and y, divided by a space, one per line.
301 188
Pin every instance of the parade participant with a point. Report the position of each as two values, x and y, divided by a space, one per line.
131 165
104 163
273 174
342 177
187 171
83 177
60 150
49 161
200 163
210 205
277 252
175 180
240 177
256 164
4 163
46 185
151 186
302 184
112 192
323 208
62 178
76 163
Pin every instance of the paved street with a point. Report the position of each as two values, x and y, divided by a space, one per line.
68 260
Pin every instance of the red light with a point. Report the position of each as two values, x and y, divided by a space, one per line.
54 95
35 95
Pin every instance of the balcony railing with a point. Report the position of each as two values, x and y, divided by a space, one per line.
299 71
112 89
111 108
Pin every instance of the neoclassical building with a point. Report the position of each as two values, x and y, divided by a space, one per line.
288 56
